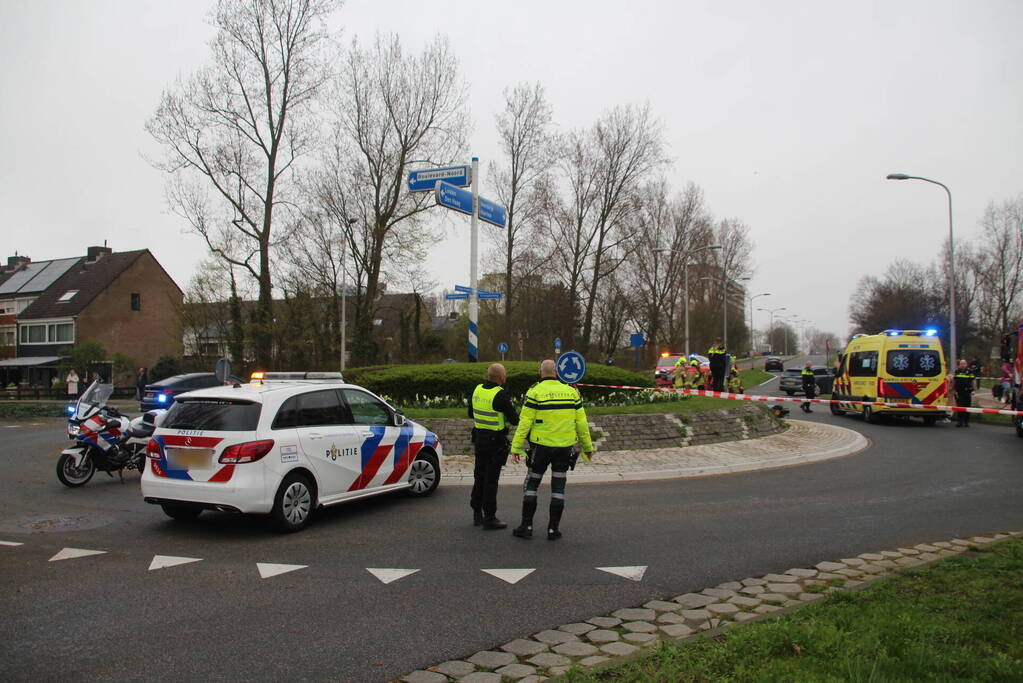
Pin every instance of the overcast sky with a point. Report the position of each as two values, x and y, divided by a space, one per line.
788 115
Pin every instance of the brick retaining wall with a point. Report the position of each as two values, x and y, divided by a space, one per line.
640 432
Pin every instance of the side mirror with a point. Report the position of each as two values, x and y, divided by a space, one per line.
399 419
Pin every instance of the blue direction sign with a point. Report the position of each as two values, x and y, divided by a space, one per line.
492 213
463 288
453 197
502 347
452 297
488 295
571 367
636 340
426 180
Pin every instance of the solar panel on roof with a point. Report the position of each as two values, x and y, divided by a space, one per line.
49 275
15 282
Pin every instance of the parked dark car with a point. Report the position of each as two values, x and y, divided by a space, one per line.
773 363
161 394
792 381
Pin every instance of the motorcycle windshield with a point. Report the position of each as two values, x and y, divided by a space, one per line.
96 395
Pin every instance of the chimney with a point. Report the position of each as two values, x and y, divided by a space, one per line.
16 262
96 253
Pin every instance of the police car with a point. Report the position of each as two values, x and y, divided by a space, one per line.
283 445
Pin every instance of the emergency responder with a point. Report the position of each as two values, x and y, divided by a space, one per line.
962 387
553 420
734 381
809 386
695 373
718 364
492 412
679 372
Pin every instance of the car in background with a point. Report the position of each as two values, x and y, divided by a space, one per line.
774 363
792 381
160 395
283 448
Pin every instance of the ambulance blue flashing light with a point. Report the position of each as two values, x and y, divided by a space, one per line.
893 333
931 333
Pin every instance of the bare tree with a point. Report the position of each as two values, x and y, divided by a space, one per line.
524 131
392 112
628 147
234 131
1000 266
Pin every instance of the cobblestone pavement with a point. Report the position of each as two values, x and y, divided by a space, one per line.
803 442
625 631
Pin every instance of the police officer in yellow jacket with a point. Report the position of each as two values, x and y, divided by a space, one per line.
553 420
492 413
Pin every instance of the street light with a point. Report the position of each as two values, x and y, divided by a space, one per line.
344 322
685 281
951 261
770 326
724 303
751 344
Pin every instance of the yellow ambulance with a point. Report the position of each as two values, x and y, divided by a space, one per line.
895 366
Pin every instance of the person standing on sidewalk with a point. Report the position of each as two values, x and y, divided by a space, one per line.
72 384
1006 381
962 387
718 357
809 386
553 420
491 410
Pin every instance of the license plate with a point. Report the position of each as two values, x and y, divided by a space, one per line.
187 458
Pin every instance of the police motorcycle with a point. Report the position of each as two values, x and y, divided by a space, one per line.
103 438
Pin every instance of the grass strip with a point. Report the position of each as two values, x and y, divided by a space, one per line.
957 619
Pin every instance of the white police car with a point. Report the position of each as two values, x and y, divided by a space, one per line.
283 445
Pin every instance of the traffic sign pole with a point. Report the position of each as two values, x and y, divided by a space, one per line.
473 248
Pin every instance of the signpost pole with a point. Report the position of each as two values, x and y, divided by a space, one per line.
473 248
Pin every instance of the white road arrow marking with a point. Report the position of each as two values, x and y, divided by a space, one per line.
631 573
10 543
509 575
390 575
164 561
267 570
72 553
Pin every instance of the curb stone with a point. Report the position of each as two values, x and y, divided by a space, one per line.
594 643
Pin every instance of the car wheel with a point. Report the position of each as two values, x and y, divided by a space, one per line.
293 504
835 409
72 476
181 512
790 393
869 416
423 475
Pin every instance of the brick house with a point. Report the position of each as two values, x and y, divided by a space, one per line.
125 301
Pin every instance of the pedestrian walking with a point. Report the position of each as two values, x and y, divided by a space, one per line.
553 421
492 412
809 386
718 357
141 380
72 383
962 387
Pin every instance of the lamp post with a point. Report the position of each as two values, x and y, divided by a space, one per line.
344 273
724 303
770 326
951 262
685 282
752 346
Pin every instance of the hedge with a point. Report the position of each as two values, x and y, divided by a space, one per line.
406 382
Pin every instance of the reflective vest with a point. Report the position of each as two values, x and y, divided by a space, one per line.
483 414
715 350
552 415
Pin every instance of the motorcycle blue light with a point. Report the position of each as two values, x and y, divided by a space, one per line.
71 410
161 398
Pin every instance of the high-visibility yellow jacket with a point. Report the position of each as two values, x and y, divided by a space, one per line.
552 415
483 414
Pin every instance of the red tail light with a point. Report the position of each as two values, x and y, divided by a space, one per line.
246 452
153 449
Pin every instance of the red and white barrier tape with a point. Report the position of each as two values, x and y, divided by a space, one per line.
792 399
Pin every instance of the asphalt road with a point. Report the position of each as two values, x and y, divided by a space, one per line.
106 617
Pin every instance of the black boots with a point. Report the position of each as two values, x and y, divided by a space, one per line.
493 523
523 531
477 517
553 534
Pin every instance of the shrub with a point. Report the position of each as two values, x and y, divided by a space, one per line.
409 383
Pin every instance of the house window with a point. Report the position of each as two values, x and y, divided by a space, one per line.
67 296
136 301
47 333
7 307
7 336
